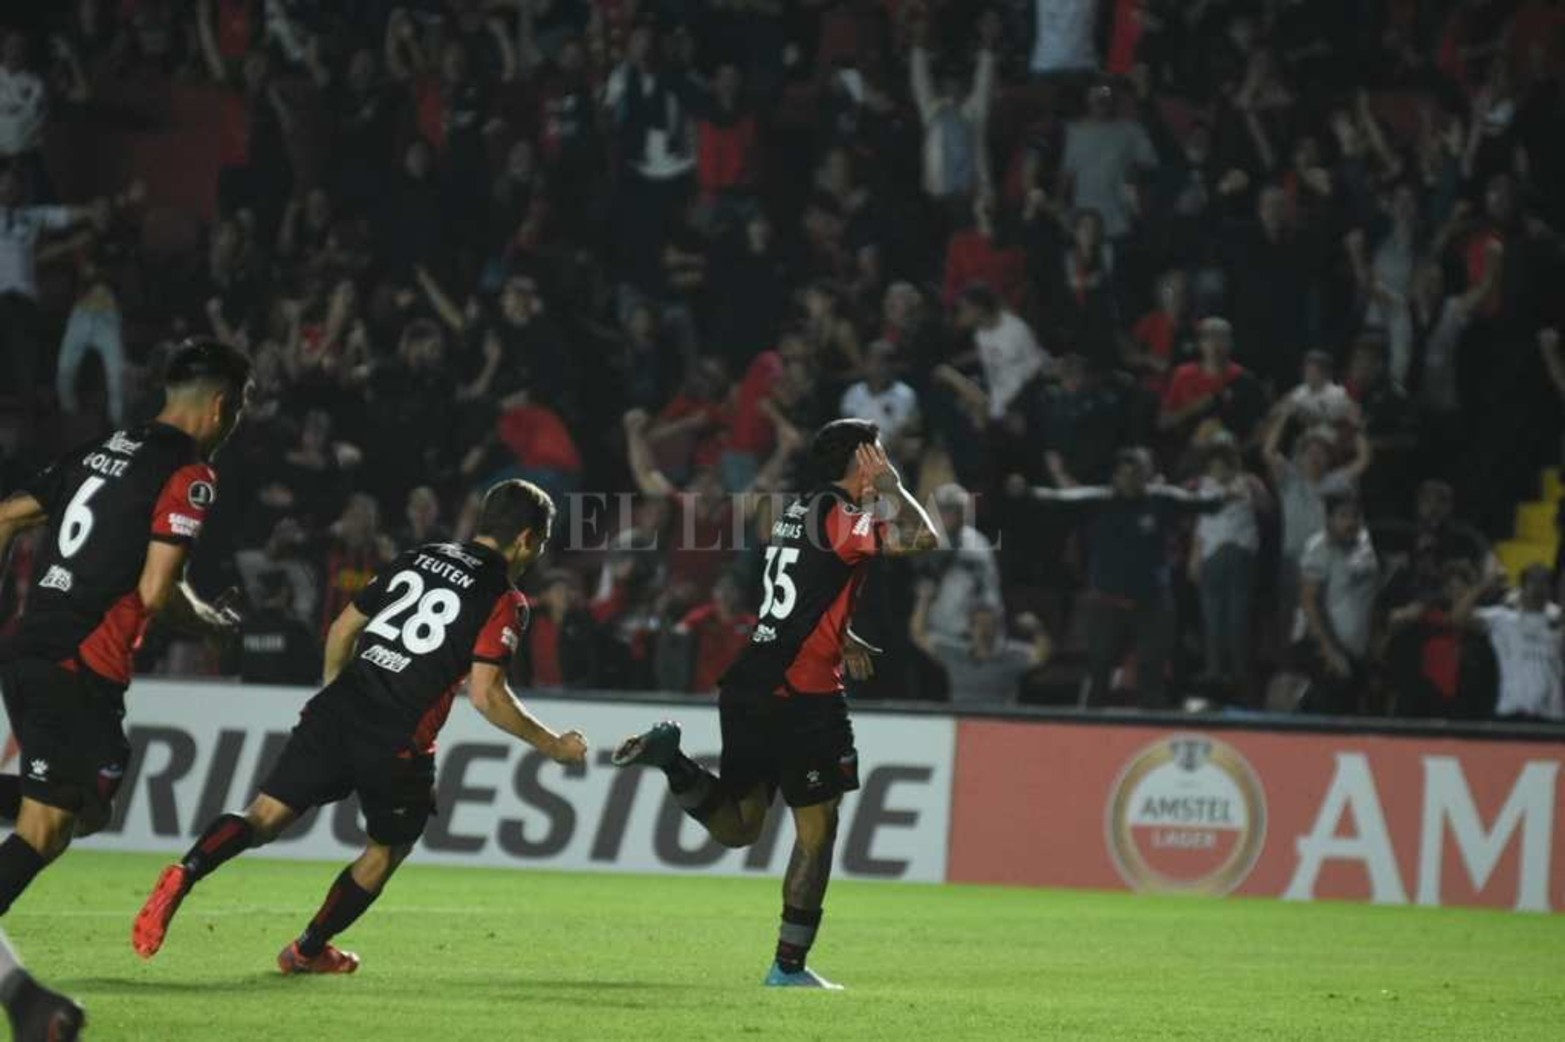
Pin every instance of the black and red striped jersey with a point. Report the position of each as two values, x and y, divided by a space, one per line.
815 564
433 611
106 502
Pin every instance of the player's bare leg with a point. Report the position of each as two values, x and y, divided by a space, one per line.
804 895
350 896
36 1013
734 819
225 838
42 834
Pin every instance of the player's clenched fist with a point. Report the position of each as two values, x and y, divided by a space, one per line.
570 747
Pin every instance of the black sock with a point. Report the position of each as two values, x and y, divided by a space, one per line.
10 796
19 863
228 836
796 935
345 902
695 789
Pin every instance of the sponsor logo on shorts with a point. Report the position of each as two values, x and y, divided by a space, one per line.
813 779
57 578
1187 814
201 494
763 634
385 658
184 525
38 770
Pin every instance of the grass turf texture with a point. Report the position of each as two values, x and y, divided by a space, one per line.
494 954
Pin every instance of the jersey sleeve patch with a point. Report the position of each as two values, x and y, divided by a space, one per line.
854 535
183 504
502 632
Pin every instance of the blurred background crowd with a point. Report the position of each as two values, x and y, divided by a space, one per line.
1219 333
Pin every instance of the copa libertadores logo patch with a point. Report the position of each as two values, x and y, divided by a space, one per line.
1187 815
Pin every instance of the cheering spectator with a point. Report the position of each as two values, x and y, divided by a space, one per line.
1222 564
275 644
1525 631
984 667
1303 484
1340 578
1104 154
1165 336
887 402
422 520
967 574
976 255
355 549
1213 390
1063 37
1439 666
955 156
1319 399
1007 351
562 637
24 109
1129 596
700 648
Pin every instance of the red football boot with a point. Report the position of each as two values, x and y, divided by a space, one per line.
153 919
331 960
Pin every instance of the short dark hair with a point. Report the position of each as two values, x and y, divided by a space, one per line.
1341 500
203 360
834 444
982 296
513 507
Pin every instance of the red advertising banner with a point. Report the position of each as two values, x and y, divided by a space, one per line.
1302 816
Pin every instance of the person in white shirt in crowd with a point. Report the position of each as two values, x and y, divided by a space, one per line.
21 226
1222 566
1340 575
884 400
1008 353
1319 399
967 572
24 110
956 152
1302 485
985 666
1525 631
1064 38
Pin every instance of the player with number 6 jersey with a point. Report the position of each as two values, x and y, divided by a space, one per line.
783 713
437 615
120 515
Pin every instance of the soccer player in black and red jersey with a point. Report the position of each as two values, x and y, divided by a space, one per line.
122 514
784 716
395 659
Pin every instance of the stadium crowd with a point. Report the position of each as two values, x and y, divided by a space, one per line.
1219 332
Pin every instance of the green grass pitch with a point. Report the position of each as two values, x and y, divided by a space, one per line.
493 954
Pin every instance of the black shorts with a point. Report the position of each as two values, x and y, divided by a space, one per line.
329 757
69 725
801 744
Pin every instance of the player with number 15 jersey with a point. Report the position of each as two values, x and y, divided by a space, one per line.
781 706
395 658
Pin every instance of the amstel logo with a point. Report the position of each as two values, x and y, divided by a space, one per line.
1187 815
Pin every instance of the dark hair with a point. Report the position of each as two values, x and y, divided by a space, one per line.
1131 457
1320 358
1340 500
201 360
513 507
982 296
834 444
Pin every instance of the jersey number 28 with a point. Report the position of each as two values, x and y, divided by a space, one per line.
425 629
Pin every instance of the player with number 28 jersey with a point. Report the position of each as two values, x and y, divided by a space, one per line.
439 614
